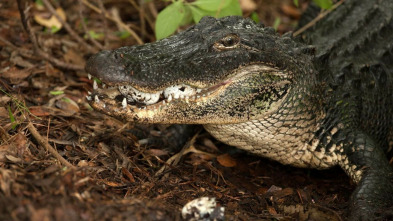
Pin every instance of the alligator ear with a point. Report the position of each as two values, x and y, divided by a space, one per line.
308 49
288 34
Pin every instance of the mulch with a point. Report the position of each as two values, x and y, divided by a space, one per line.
61 160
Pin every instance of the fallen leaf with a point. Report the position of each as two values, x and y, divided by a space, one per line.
248 5
51 21
291 11
226 160
67 105
16 75
39 111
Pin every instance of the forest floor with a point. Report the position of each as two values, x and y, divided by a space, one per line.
61 160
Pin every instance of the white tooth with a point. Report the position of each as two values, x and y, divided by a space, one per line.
88 98
170 98
89 76
89 92
95 86
198 90
163 102
147 96
124 103
96 99
103 85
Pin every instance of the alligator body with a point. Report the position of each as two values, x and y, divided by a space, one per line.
308 106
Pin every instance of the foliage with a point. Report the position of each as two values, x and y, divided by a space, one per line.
181 13
324 4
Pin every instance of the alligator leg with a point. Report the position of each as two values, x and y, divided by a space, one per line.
366 163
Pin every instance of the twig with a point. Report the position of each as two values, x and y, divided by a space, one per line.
117 21
96 43
68 27
42 141
142 15
103 19
27 26
316 19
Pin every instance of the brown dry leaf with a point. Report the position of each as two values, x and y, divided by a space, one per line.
73 57
271 210
128 175
4 99
157 152
51 21
39 111
69 106
248 5
3 112
16 75
283 193
13 159
111 183
291 11
226 160
6 179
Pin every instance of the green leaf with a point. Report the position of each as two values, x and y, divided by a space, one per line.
325 4
122 34
254 16
97 80
211 5
198 13
296 3
187 19
56 92
232 9
95 35
12 118
169 19
54 29
39 3
277 22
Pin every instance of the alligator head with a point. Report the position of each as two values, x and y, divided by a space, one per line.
229 66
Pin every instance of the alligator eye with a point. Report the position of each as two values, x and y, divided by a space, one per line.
228 42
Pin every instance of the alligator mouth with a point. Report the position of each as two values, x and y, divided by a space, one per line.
128 97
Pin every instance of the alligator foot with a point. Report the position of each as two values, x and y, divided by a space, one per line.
373 194
366 163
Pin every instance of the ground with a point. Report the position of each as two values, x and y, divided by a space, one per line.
61 160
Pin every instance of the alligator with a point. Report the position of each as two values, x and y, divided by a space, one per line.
315 101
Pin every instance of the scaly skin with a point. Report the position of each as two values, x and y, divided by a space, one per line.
269 95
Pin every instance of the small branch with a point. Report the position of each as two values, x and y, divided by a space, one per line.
117 21
43 142
68 27
26 24
316 19
84 27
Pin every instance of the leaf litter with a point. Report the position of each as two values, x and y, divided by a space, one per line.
110 175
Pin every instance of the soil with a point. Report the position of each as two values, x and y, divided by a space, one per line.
61 160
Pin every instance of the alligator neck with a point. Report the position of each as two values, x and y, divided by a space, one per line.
287 136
